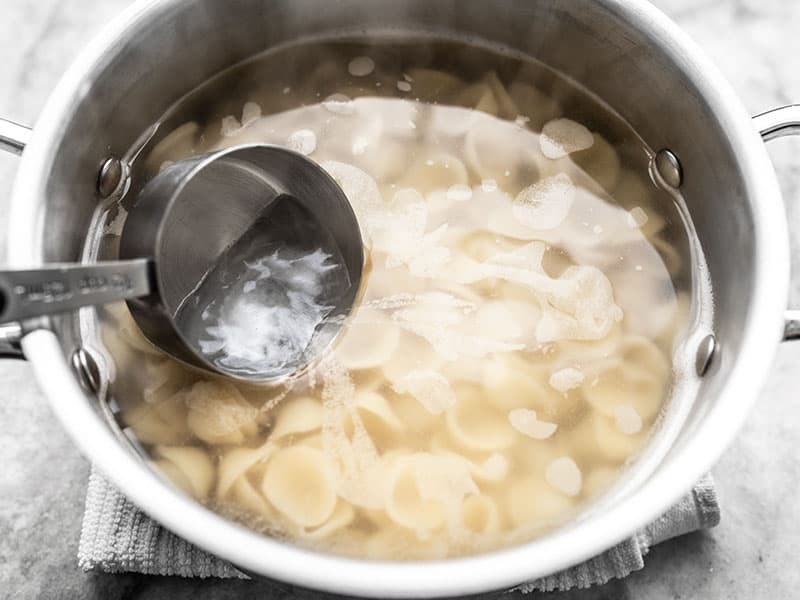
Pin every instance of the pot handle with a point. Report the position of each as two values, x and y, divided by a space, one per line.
13 138
774 124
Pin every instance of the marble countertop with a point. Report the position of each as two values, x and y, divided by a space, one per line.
749 556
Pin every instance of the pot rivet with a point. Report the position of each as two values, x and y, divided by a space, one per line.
705 354
669 168
86 369
110 177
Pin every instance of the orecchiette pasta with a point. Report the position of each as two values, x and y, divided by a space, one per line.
429 173
412 353
517 162
430 388
408 508
535 105
376 404
512 383
493 468
424 490
188 466
245 494
163 379
235 463
432 83
219 414
600 161
356 350
414 415
508 320
479 513
178 144
162 422
637 381
342 516
476 424
532 500
599 480
299 482
613 444
510 349
300 415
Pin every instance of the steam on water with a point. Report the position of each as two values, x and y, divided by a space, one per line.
259 311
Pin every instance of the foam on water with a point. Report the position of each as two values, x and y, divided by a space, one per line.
564 475
430 388
546 203
526 422
303 141
339 104
361 66
562 137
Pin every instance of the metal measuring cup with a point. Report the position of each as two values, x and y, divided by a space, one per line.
182 224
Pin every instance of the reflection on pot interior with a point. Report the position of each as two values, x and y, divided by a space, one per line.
526 299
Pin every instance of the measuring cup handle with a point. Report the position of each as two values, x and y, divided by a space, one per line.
62 288
13 138
774 124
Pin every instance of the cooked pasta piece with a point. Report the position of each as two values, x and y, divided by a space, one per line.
613 444
476 424
299 482
424 490
479 513
636 381
162 422
219 414
189 467
234 464
297 416
532 501
600 161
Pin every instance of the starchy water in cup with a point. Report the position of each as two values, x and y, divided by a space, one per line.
260 310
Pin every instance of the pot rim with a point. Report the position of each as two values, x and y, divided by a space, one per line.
564 547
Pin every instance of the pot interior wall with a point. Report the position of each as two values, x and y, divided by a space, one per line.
162 57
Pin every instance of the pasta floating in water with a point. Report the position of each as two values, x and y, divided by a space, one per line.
299 482
219 414
525 293
189 467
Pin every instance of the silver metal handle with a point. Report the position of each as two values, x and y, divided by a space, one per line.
14 137
62 288
778 123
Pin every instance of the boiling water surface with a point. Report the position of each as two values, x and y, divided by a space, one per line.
526 298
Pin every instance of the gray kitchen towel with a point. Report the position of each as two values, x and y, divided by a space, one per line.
117 537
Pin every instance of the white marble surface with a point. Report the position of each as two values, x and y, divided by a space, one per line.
751 555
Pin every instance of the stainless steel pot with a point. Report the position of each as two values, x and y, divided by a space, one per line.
624 50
